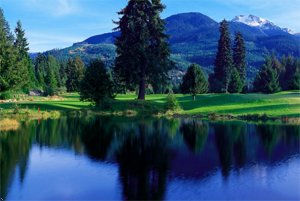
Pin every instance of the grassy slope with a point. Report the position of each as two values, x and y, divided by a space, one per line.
275 105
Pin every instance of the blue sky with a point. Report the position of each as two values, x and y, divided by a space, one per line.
59 23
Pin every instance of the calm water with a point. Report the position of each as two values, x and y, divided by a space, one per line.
97 158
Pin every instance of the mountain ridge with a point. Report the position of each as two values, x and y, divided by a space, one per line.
193 39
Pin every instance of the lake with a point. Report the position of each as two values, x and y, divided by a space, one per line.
114 158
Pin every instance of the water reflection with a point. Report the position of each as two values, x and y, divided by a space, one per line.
149 154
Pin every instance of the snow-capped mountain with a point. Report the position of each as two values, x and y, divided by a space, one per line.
254 21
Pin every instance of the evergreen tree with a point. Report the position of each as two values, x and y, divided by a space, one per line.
239 57
25 69
295 83
194 81
267 80
236 85
50 81
63 74
276 64
96 85
7 56
40 69
55 66
219 80
142 48
288 73
75 72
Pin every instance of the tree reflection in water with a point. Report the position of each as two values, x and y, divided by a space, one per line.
149 152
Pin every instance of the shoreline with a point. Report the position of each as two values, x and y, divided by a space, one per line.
254 118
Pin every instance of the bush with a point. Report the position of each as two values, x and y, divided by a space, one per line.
6 95
172 103
12 95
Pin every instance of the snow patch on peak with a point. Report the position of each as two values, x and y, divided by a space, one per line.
252 20
290 31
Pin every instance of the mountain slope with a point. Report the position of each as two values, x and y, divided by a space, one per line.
194 38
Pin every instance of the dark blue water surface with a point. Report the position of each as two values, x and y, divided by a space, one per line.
97 158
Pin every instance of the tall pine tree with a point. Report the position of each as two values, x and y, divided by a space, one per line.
142 48
25 72
239 57
220 79
8 72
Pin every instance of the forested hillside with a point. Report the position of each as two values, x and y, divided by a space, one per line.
193 39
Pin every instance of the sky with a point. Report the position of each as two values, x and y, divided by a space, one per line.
53 24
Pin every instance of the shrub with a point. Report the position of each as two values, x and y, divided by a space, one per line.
6 95
172 103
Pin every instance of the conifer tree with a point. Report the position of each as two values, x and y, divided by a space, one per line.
25 69
267 80
276 64
288 72
295 83
96 86
142 48
194 81
7 56
239 57
40 69
236 84
219 80
75 72
50 81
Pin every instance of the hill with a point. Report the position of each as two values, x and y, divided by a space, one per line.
194 38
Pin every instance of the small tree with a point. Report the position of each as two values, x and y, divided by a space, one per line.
50 82
267 80
194 81
236 84
96 85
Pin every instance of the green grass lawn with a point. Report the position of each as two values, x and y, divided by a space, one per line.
273 105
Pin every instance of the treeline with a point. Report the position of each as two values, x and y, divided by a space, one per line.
53 77
276 75
142 63
45 75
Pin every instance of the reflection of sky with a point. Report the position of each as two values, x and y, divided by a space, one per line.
68 176
255 182
65 177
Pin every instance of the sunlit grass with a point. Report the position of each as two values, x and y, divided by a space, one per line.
273 105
